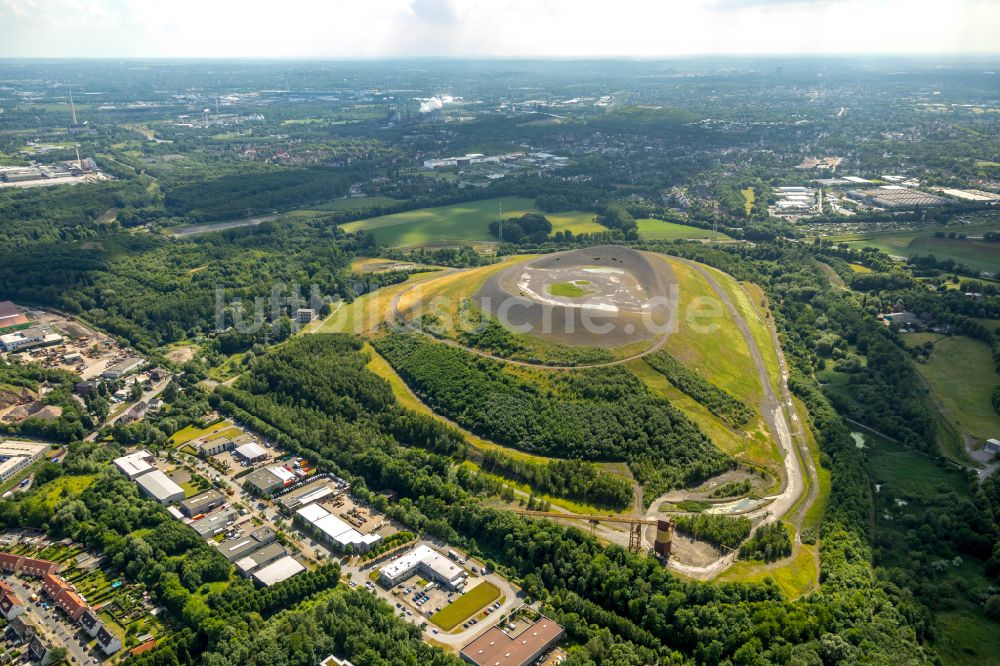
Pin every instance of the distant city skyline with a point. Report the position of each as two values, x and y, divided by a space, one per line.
366 29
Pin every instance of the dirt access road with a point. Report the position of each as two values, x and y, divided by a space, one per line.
780 414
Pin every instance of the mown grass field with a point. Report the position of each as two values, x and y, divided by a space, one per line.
650 229
795 577
466 222
907 473
978 254
967 639
961 375
466 606
189 433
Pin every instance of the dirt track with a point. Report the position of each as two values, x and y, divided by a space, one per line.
778 414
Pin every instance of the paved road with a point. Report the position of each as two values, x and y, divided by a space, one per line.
191 230
120 410
59 626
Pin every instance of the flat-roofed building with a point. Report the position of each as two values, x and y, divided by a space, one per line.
332 529
251 452
263 482
214 522
277 571
499 647
15 456
29 338
215 446
123 367
202 503
304 497
158 486
426 561
135 464
240 547
260 558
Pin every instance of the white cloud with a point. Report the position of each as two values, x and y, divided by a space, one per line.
502 28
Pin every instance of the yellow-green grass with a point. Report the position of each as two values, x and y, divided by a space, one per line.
650 229
858 268
961 375
707 338
462 222
367 313
185 435
814 514
359 202
748 199
65 486
566 289
754 446
920 338
466 606
795 577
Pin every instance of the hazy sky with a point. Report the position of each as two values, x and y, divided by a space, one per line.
502 28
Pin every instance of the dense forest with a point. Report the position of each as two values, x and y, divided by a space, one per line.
605 414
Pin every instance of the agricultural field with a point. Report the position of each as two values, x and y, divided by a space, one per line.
462 223
650 229
961 376
466 606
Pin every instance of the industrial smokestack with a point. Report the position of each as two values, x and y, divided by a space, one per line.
72 107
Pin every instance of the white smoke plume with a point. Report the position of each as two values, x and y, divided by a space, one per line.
435 103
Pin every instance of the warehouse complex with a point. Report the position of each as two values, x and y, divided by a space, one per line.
514 645
16 456
332 529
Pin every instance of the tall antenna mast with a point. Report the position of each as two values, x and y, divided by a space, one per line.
72 107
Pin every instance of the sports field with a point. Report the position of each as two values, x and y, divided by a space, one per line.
466 606
462 223
650 229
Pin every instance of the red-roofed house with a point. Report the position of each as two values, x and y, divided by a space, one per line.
145 647
65 596
27 566
10 605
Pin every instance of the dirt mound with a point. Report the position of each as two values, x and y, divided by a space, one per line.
605 296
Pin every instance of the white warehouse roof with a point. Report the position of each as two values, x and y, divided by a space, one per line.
134 464
251 451
159 486
278 571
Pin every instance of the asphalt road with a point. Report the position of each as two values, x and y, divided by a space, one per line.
67 633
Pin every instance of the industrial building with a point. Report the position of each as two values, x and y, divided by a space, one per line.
333 530
270 480
157 485
260 558
322 489
514 647
17 456
214 522
29 338
203 503
240 547
428 563
250 453
135 464
277 571
123 367
215 446
896 196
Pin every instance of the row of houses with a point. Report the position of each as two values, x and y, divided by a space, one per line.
63 595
